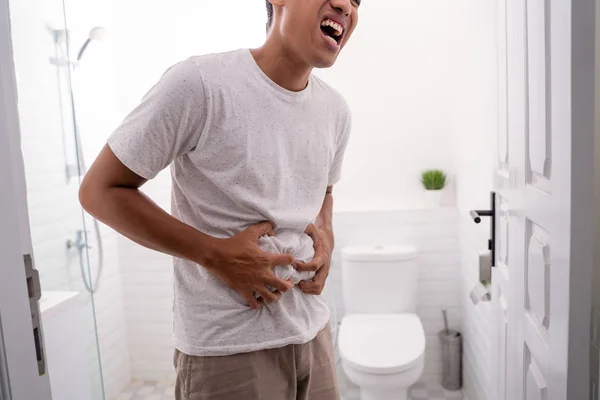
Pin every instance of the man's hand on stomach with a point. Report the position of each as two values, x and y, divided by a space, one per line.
240 264
320 263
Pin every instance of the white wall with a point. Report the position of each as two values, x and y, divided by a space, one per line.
475 124
51 215
148 297
394 74
55 214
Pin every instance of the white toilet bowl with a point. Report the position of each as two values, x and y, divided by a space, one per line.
383 354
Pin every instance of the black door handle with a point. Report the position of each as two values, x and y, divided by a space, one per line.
478 214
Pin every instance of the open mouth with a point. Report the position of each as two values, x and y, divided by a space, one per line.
332 30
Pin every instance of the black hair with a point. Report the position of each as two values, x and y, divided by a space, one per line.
269 14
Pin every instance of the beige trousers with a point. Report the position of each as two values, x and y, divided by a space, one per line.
295 372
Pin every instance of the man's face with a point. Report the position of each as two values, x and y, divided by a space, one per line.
317 30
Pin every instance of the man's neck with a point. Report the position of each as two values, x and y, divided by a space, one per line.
281 66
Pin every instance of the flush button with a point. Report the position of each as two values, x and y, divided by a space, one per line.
379 247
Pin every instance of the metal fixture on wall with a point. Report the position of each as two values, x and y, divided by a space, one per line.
65 64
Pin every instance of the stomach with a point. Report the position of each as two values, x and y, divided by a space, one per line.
212 319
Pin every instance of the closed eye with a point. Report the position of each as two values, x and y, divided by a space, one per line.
357 2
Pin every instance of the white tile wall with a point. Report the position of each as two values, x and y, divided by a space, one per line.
148 295
476 321
147 279
475 126
54 211
110 317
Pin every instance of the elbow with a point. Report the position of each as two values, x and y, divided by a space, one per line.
86 196
83 198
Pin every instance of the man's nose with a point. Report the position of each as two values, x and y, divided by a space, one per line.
343 6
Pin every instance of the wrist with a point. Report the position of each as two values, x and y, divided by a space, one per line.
207 251
328 230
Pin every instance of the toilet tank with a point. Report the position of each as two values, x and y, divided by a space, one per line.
380 279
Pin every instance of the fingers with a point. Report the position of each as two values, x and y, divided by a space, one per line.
267 295
320 257
279 284
311 287
253 302
316 285
264 228
279 259
311 230
311 266
319 239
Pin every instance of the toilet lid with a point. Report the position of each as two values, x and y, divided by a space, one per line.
382 343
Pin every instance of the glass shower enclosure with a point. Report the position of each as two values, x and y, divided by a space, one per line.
68 244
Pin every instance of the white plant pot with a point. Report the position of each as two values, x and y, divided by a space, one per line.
434 198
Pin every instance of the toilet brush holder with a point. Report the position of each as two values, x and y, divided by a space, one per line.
451 359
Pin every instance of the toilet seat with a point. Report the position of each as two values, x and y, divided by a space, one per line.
382 344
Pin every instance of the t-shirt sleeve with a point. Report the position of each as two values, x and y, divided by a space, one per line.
335 172
166 124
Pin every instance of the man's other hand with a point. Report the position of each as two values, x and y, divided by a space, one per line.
320 263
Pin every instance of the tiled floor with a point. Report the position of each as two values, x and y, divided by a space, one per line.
138 390
158 391
420 391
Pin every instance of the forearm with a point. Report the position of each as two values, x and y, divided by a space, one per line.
136 216
324 220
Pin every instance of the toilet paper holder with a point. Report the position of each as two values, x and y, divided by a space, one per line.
478 214
482 290
480 293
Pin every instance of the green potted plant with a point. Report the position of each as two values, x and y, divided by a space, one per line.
434 181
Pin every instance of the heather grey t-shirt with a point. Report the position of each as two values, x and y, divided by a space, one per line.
242 151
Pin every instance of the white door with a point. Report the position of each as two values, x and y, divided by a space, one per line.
541 287
22 365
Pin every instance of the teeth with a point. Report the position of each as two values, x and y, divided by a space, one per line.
338 28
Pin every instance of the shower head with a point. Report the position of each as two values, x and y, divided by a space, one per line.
96 33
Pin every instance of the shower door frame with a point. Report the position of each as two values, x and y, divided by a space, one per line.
19 376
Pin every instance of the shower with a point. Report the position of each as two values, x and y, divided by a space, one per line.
64 63
97 33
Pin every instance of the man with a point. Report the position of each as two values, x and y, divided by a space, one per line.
255 143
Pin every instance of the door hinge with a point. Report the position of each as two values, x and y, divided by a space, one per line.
34 292
5 392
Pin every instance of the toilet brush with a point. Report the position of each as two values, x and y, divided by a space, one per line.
445 314
451 356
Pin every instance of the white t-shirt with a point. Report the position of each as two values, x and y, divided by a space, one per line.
242 151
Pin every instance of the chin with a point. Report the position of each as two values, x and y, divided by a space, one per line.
324 62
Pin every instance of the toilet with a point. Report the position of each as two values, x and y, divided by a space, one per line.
381 339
